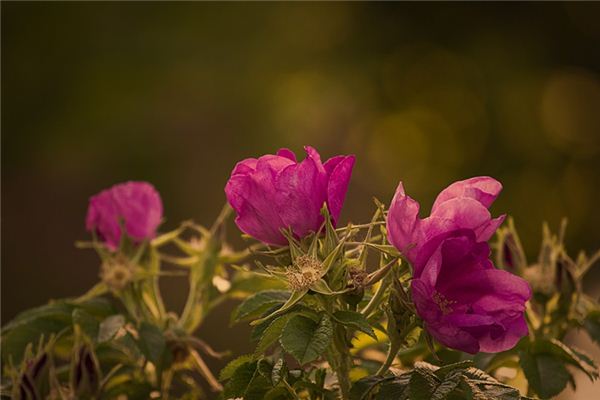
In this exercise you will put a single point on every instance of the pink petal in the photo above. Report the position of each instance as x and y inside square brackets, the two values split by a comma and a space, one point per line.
[483, 189]
[287, 153]
[403, 221]
[337, 187]
[300, 194]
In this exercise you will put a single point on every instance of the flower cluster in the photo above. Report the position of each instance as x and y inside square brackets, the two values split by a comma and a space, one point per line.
[465, 302]
[322, 313]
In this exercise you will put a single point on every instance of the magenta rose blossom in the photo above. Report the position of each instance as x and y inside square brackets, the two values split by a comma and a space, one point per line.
[465, 302]
[276, 192]
[134, 205]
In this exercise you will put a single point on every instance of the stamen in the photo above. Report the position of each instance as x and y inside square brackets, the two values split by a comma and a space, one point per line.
[443, 303]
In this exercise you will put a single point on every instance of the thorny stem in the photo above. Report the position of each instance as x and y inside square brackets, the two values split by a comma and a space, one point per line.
[339, 352]
[344, 361]
[395, 346]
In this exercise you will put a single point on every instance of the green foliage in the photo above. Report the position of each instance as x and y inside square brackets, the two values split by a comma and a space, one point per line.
[151, 342]
[544, 364]
[354, 320]
[255, 305]
[306, 339]
[592, 325]
[428, 382]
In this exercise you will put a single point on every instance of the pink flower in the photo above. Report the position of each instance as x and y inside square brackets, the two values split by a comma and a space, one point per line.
[465, 302]
[462, 205]
[276, 192]
[134, 205]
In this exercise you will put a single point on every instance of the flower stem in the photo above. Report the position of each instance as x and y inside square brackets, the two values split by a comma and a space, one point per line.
[389, 359]
[344, 363]
[395, 345]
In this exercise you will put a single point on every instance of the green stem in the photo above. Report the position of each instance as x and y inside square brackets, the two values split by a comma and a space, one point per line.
[344, 363]
[389, 359]
[395, 346]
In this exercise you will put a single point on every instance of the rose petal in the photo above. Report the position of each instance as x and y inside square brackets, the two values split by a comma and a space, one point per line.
[337, 187]
[483, 189]
[403, 221]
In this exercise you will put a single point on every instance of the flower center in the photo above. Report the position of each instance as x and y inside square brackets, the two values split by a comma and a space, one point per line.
[305, 271]
[443, 303]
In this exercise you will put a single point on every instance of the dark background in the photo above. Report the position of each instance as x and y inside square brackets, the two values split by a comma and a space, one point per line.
[99, 93]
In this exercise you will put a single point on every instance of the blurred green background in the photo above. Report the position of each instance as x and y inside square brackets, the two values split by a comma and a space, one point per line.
[99, 93]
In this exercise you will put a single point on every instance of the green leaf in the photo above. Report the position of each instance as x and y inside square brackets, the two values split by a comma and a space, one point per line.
[422, 383]
[240, 380]
[592, 325]
[355, 320]
[248, 382]
[109, 327]
[295, 297]
[447, 386]
[546, 374]
[86, 322]
[363, 387]
[228, 371]
[258, 303]
[573, 357]
[30, 325]
[397, 390]
[152, 342]
[272, 334]
[461, 365]
[305, 339]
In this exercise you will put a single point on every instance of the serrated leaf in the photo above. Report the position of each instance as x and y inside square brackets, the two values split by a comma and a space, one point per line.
[361, 388]
[461, 365]
[152, 342]
[422, 383]
[477, 374]
[500, 392]
[247, 382]
[305, 339]
[475, 392]
[546, 374]
[258, 303]
[229, 369]
[109, 327]
[271, 334]
[240, 380]
[561, 350]
[393, 390]
[447, 386]
[355, 320]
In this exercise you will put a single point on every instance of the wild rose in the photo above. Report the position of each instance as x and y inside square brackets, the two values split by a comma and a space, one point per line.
[465, 302]
[136, 206]
[276, 192]
[462, 205]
